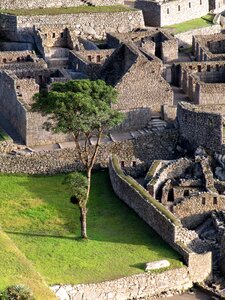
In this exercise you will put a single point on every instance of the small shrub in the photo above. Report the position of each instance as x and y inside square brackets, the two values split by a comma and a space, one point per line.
[17, 292]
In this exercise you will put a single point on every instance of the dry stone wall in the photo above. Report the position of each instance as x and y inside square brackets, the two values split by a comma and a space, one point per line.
[200, 128]
[91, 26]
[32, 4]
[193, 211]
[139, 286]
[66, 160]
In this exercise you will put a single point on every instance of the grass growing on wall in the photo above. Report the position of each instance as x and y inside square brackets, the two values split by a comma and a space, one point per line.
[67, 10]
[193, 24]
[37, 215]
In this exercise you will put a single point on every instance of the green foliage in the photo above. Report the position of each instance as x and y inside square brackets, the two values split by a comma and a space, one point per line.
[17, 292]
[67, 10]
[79, 106]
[117, 236]
[144, 193]
[77, 184]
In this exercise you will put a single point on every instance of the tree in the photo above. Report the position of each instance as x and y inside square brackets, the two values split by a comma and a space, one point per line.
[83, 109]
[78, 185]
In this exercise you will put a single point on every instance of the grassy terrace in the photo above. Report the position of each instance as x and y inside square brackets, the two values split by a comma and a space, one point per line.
[68, 10]
[193, 24]
[36, 214]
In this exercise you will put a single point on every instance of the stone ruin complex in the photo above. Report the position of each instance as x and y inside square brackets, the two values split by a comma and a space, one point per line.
[174, 103]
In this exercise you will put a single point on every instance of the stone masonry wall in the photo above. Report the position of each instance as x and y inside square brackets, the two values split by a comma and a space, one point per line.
[142, 88]
[66, 160]
[92, 26]
[11, 108]
[173, 12]
[185, 38]
[181, 239]
[139, 286]
[31, 4]
[200, 128]
[193, 210]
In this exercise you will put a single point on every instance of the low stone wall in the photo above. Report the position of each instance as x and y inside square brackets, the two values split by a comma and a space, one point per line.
[163, 222]
[91, 25]
[139, 286]
[185, 38]
[66, 160]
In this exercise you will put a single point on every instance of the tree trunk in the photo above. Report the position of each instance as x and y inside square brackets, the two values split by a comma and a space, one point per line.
[83, 222]
[89, 183]
[83, 209]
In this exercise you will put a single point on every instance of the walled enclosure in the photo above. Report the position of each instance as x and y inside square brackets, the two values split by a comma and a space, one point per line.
[209, 47]
[203, 82]
[200, 127]
[161, 220]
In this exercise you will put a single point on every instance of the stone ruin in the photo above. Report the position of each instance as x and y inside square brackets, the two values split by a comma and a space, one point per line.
[188, 187]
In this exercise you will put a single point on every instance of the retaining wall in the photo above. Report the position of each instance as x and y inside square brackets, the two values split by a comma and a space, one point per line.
[133, 287]
[87, 25]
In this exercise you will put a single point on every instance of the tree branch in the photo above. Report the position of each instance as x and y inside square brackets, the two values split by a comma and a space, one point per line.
[76, 140]
[93, 158]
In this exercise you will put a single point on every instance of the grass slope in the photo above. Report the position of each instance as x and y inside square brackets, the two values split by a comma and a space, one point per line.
[193, 24]
[67, 10]
[36, 213]
[16, 269]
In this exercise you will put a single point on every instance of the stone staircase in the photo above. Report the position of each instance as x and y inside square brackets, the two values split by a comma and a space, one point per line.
[156, 124]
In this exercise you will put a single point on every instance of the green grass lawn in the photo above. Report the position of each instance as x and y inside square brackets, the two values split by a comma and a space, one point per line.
[68, 10]
[193, 24]
[15, 268]
[36, 214]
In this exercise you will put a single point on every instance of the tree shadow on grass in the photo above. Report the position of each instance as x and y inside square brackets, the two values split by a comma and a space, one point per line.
[109, 219]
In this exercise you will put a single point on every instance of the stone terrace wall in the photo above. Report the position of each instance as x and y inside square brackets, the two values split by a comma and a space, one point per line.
[65, 160]
[133, 287]
[200, 128]
[92, 26]
[18, 4]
